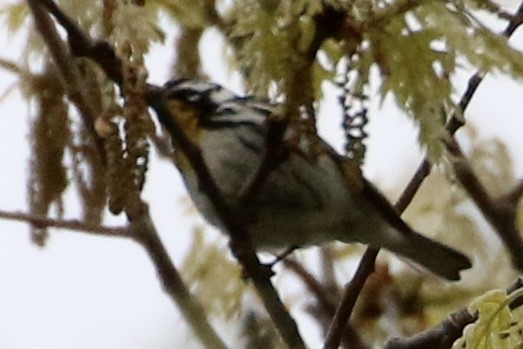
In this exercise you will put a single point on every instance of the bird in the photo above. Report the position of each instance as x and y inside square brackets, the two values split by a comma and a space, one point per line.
[311, 196]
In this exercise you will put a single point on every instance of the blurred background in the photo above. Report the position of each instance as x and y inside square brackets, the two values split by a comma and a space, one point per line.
[84, 291]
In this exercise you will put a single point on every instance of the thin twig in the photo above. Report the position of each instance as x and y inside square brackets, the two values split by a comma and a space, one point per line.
[70, 224]
[366, 266]
[501, 214]
[11, 66]
[348, 300]
[515, 21]
[81, 44]
[439, 337]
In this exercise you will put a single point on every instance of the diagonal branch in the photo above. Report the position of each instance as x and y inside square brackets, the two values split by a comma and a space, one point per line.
[349, 298]
[81, 44]
[500, 213]
[366, 266]
[71, 224]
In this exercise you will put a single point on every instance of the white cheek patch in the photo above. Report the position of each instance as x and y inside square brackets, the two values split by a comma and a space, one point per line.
[204, 90]
[197, 86]
[220, 95]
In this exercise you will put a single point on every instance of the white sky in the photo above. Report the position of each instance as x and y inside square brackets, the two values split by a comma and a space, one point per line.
[87, 292]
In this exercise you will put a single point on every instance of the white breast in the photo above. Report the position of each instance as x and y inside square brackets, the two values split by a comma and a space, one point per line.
[301, 202]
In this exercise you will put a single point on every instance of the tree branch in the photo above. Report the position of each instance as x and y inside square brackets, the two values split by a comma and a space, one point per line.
[348, 300]
[81, 45]
[500, 213]
[11, 66]
[439, 337]
[73, 224]
[449, 330]
[366, 266]
[70, 74]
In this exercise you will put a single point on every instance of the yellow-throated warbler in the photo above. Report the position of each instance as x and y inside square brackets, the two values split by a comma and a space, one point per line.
[307, 199]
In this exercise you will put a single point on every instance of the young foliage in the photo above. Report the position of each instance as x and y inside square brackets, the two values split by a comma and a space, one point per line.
[269, 39]
[416, 46]
[497, 326]
[15, 15]
[216, 280]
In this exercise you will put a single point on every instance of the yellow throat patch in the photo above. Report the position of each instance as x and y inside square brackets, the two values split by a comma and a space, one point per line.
[187, 117]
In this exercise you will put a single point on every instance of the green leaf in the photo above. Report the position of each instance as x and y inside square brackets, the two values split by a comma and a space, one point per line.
[497, 326]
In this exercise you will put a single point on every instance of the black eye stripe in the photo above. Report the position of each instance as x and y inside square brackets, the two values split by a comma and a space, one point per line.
[212, 124]
[218, 107]
[187, 94]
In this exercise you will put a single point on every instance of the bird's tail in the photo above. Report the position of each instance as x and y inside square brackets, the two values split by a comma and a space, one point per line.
[438, 258]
